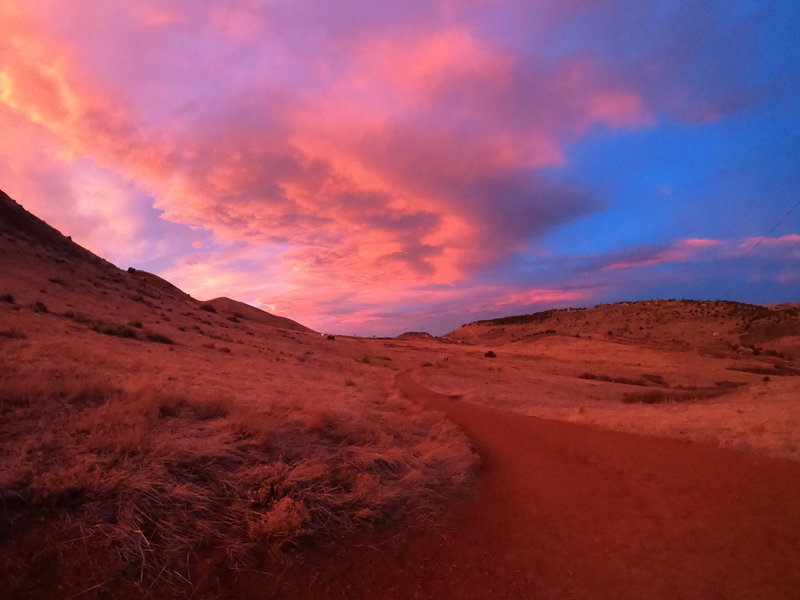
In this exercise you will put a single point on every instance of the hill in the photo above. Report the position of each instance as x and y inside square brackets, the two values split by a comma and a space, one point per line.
[38, 257]
[240, 310]
[183, 445]
[717, 328]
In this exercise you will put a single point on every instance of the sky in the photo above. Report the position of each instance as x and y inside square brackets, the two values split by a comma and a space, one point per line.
[371, 167]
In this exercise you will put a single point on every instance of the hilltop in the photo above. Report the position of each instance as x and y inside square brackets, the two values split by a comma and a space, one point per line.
[240, 310]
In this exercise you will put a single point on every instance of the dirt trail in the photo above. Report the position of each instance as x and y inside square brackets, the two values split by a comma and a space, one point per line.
[566, 511]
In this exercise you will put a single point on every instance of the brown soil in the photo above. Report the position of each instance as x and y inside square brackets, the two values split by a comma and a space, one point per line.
[568, 511]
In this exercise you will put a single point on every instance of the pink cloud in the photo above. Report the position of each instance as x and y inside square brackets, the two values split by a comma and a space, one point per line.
[347, 170]
[679, 251]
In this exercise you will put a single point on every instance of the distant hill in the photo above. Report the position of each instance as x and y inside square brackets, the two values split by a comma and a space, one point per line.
[38, 259]
[717, 327]
[251, 313]
[415, 335]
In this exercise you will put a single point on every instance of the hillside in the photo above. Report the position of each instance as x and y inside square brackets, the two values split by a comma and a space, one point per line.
[182, 444]
[718, 328]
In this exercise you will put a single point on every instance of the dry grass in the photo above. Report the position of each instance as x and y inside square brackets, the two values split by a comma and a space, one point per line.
[685, 395]
[152, 478]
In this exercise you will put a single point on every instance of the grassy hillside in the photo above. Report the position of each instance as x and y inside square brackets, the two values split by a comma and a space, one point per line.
[149, 444]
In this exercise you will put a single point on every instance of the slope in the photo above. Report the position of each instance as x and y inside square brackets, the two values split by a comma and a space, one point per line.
[236, 309]
[719, 328]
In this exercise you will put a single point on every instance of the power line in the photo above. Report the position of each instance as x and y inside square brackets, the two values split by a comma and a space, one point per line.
[740, 259]
[774, 227]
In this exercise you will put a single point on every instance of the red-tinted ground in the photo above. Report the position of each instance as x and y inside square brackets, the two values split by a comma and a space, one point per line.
[132, 415]
[566, 511]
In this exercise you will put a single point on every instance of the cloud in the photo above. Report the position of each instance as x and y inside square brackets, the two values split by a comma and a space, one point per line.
[314, 156]
[676, 252]
[414, 148]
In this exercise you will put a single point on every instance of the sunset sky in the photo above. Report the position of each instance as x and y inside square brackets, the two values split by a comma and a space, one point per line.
[373, 167]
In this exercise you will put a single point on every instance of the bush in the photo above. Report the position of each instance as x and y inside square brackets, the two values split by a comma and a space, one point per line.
[131, 270]
[330, 337]
[649, 397]
[158, 338]
[655, 379]
[208, 308]
[115, 329]
[13, 334]
[7, 298]
[490, 354]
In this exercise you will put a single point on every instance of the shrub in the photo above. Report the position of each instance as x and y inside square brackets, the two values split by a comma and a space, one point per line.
[7, 298]
[115, 329]
[39, 307]
[655, 379]
[158, 338]
[136, 324]
[208, 308]
[330, 337]
[131, 270]
[730, 384]
[57, 281]
[13, 334]
[349, 383]
[490, 354]
[648, 397]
